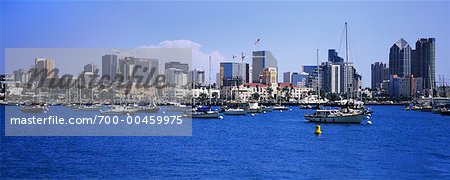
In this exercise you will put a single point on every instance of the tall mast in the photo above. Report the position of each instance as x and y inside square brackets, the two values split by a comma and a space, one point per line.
[209, 90]
[346, 63]
[318, 74]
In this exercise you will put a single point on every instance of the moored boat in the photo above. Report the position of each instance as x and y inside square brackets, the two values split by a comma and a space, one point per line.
[34, 109]
[335, 116]
[280, 107]
[445, 111]
[119, 110]
[235, 111]
[148, 109]
[204, 112]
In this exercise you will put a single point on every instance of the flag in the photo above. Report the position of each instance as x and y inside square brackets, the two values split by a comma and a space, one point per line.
[257, 42]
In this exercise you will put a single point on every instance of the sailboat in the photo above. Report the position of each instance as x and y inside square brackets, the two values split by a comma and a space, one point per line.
[344, 115]
[35, 107]
[205, 111]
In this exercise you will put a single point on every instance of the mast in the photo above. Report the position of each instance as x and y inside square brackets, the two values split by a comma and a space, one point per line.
[346, 63]
[431, 84]
[209, 80]
[318, 74]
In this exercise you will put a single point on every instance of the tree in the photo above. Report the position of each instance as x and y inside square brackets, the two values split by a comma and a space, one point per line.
[269, 92]
[202, 97]
[255, 96]
[287, 95]
[215, 95]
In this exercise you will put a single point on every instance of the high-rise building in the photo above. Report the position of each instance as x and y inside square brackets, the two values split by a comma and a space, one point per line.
[177, 65]
[231, 73]
[377, 71]
[90, 67]
[269, 76]
[400, 59]
[287, 77]
[423, 62]
[299, 79]
[260, 61]
[330, 80]
[109, 66]
[308, 69]
[347, 77]
[196, 77]
[175, 77]
[333, 56]
[21, 76]
[138, 69]
[46, 65]
[146, 68]
[404, 87]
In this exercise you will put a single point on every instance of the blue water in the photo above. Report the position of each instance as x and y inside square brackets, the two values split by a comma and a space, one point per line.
[399, 144]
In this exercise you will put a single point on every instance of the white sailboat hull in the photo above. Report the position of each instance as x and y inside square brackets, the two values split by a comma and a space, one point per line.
[205, 115]
[337, 119]
[243, 112]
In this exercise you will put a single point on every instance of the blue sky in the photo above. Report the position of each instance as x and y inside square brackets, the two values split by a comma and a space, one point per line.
[291, 30]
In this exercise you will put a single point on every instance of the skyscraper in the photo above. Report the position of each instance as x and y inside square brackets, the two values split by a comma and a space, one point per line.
[424, 61]
[287, 77]
[333, 56]
[177, 65]
[308, 69]
[400, 59]
[231, 73]
[261, 60]
[331, 79]
[377, 71]
[90, 67]
[196, 77]
[109, 66]
[46, 65]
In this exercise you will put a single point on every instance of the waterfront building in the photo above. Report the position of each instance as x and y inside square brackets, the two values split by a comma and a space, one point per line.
[405, 87]
[400, 59]
[246, 91]
[423, 61]
[378, 74]
[287, 77]
[109, 66]
[210, 93]
[260, 61]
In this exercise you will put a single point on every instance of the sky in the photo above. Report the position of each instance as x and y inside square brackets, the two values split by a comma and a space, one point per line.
[292, 31]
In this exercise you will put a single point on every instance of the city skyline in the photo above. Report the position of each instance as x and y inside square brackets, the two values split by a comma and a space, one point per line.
[289, 35]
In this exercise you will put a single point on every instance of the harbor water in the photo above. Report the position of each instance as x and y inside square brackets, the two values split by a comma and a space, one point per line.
[399, 144]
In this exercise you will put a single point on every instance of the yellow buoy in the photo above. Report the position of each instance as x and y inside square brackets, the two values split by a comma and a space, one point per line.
[318, 130]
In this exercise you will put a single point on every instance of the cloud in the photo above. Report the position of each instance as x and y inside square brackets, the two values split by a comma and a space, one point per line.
[200, 58]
